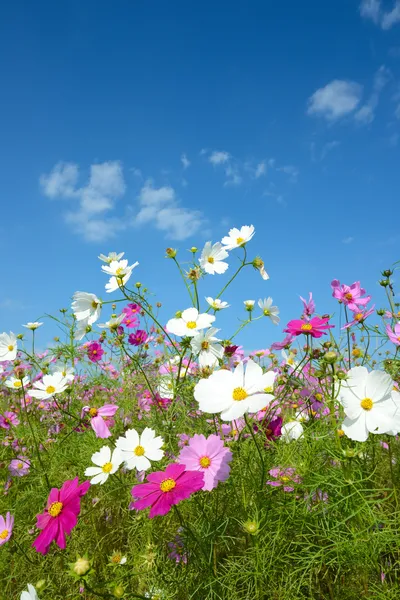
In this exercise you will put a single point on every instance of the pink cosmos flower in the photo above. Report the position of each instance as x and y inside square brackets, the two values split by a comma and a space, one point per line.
[309, 307]
[130, 320]
[394, 336]
[60, 515]
[359, 316]
[98, 419]
[166, 488]
[137, 338]
[95, 351]
[8, 419]
[350, 295]
[283, 477]
[314, 327]
[6, 527]
[19, 467]
[209, 456]
[283, 344]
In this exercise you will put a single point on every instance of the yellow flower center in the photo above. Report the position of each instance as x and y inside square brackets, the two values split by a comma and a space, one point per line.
[55, 508]
[266, 312]
[93, 412]
[366, 404]
[139, 451]
[50, 389]
[116, 559]
[95, 304]
[306, 327]
[191, 324]
[167, 485]
[205, 462]
[239, 393]
[107, 467]
[358, 316]
[318, 396]
[284, 478]
[357, 352]
[348, 296]
[210, 259]
[239, 241]
[268, 390]
[19, 465]
[4, 534]
[205, 345]
[340, 432]
[10, 348]
[17, 384]
[119, 272]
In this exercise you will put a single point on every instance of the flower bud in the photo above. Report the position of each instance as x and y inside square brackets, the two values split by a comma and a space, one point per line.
[56, 339]
[20, 336]
[138, 284]
[178, 314]
[171, 252]
[341, 375]
[251, 527]
[193, 249]
[384, 282]
[380, 312]
[119, 591]
[81, 566]
[40, 584]
[330, 357]
[387, 273]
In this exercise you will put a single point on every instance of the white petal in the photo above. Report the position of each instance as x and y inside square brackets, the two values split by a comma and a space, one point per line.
[356, 429]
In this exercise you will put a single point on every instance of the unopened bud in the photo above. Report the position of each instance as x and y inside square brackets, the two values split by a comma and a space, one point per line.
[20, 336]
[341, 375]
[251, 527]
[380, 312]
[119, 591]
[171, 252]
[330, 357]
[193, 249]
[81, 566]
[384, 282]
[387, 273]
[138, 284]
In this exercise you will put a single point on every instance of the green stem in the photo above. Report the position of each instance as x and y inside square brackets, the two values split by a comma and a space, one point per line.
[34, 438]
[250, 428]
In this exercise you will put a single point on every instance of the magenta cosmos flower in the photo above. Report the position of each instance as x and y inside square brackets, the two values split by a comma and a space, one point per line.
[138, 338]
[284, 478]
[6, 527]
[98, 419]
[394, 335]
[95, 351]
[8, 419]
[209, 456]
[166, 488]
[314, 327]
[350, 295]
[130, 319]
[359, 317]
[60, 515]
[309, 306]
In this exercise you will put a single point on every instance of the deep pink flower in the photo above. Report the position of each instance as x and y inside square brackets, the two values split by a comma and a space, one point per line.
[8, 419]
[95, 351]
[138, 338]
[283, 344]
[60, 515]
[359, 316]
[165, 489]
[273, 428]
[309, 307]
[135, 308]
[98, 419]
[130, 320]
[283, 477]
[314, 327]
[394, 336]
[19, 467]
[350, 295]
[209, 456]
[6, 527]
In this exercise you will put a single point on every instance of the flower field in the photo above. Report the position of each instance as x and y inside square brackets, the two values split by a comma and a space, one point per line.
[149, 459]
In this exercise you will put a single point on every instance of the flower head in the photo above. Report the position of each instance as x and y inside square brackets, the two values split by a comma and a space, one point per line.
[139, 451]
[207, 348]
[309, 306]
[120, 273]
[238, 237]
[131, 319]
[284, 478]
[95, 351]
[208, 455]
[216, 304]
[211, 259]
[394, 334]
[99, 418]
[8, 346]
[138, 338]
[111, 256]
[86, 307]
[6, 527]
[31, 594]
[8, 419]
[314, 327]
[189, 323]
[19, 466]
[106, 465]
[359, 317]
[292, 430]
[16, 384]
[350, 295]
[49, 386]
[32, 326]
[268, 310]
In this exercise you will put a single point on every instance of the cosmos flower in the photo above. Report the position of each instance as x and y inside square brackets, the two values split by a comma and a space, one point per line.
[216, 304]
[138, 338]
[120, 273]
[292, 430]
[113, 323]
[350, 295]
[359, 317]
[206, 347]
[209, 456]
[60, 515]
[268, 310]
[258, 264]
[64, 370]
[166, 488]
[8, 419]
[49, 386]
[284, 478]
[6, 527]
[211, 259]
[31, 594]
[8, 346]
[249, 304]
[86, 307]
[111, 256]
[284, 343]
[16, 384]
[314, 327]
[19, 466]
[309, 306]
[238, 237]
[99, 417]
[106, 465]
[394, 335]
[94, 352]
[131, 319]
[32, 326]
[139, 451]
[189, 323]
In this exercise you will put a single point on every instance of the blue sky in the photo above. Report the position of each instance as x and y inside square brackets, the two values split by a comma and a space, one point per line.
[136, 125]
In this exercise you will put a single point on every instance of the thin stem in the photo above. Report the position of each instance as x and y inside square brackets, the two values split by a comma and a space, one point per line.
[250, 428]
[34, 438]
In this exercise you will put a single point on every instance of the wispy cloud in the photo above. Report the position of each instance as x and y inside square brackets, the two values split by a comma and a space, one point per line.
[185, 161]
[336, 100]
[366, 114]
[348, 240]
[319, 154]
[374, 11]
[12, 304]
[218, 157]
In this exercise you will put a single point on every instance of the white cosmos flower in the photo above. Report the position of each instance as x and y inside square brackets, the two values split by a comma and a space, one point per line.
[32, 326]
[113, 323]
[189, 323]
[31, 594]
[396, 419]
[216, 304]
[258, 264]
[105, 465]
[86, 307]
[81, 329]
[138, 450]
[112, 256]
[16, 384]
[268, 310]
[292, 430]
[120, 273]
[289, 359]
[8, 346]
[211, 259]
[249, 304]
[206, 346]
[238, 237]
[367, 401]
[235, 393]
[64, 370]
[50, 385]
[165, 387]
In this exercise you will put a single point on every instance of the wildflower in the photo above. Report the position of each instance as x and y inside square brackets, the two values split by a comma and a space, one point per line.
[251, 527]
[8, 419]
[138, 338]
[216, 304]
[165, 387]
[309, 306]
[50, 385]
[394, 335]
[351, 295]
[314, 327]
[81, 330]
[8, 346]
[81, 566]
[112, 256]
[105, 465]
[273, 428]
[113, 324]
[138, 451]
[94, 351]
[259, 265]
[130, 317]
[208, 455]
[283, 344]
[166, 488]
[60, 515]
[15, 383]
[283, 477]
[289, 359]
[211, 259]
[120, 273]
[268, 310]
[177, 550]
[117, 559]
[292, 430]
[368, 404]
[206, 347]
[86, 307]
[19, 466]
[235, 393]
[66, 372]
[32, 326]
[189, 323]
[6, 527]
[238, 237]
[31, 594]
[98, 417]
[359, 316]
[249, 305]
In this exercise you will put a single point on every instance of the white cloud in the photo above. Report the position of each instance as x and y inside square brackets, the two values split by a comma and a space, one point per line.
[290, 170]
[233, 177]
[219, 157]
[337, 99]
[391, 18]
[372, 9]
[61, 181]
[261, 170]
[185, 161]
[160, 207]
[366, 114]
[348, 240]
